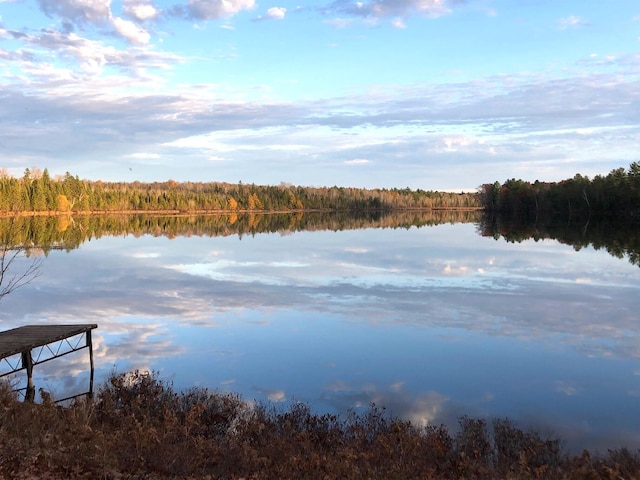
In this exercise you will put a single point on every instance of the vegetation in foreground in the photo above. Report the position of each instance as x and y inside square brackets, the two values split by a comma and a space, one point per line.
[139, 427]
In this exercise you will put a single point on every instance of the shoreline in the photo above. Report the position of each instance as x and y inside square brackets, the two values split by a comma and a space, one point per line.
[173, 212]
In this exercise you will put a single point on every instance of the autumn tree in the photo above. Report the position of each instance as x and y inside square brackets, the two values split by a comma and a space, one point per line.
[63, 204]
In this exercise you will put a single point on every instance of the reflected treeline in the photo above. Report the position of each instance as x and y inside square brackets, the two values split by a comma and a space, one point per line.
[45, 233]
[619, 236]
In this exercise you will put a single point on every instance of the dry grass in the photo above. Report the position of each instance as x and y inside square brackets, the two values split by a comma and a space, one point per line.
[138, 427]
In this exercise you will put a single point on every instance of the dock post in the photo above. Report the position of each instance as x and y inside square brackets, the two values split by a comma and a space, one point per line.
[27, 364]
[90, 345]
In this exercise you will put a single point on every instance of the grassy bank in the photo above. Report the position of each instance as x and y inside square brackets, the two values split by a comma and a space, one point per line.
[138, 427]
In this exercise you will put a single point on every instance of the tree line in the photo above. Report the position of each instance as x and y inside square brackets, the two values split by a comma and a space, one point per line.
[37, 192]
[614, 194]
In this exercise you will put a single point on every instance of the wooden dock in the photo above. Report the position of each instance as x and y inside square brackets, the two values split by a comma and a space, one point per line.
[37, 344]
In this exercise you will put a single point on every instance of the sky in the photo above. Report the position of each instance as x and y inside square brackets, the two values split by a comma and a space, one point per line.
[430, 94]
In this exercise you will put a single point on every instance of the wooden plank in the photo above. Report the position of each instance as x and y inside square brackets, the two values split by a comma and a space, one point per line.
[26, 338]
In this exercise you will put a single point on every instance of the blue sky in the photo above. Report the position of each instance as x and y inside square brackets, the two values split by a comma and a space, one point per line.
[432, 94]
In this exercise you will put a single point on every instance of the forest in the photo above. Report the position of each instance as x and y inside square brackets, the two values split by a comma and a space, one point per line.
[38, 192]
[614, 194]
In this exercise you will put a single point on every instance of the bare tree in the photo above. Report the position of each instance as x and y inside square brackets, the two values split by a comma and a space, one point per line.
[10, 252]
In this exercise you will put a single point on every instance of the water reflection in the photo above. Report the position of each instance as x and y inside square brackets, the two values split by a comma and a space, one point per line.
[432, 322]
[618, 235]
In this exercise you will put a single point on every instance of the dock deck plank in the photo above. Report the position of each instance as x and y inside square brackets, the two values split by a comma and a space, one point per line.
[28, 337]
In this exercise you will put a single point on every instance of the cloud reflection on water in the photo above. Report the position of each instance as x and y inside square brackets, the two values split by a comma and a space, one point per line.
[432, 323]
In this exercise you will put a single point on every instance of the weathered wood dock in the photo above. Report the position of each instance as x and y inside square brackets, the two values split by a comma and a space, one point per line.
[36, 344]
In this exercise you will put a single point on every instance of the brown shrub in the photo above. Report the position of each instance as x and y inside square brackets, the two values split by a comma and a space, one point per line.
[138, 427]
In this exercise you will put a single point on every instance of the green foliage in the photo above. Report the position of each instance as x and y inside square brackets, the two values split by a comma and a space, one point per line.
[617, 193]
[37, 192]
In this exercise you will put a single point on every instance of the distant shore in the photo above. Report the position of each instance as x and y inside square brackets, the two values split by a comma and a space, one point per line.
[173, 212]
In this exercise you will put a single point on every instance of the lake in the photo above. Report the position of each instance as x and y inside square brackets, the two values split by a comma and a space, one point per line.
[431, 322]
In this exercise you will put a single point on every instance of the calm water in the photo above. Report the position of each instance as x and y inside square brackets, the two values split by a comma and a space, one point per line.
[431, 322]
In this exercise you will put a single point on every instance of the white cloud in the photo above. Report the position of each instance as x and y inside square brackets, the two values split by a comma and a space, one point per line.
[339, 22]
[456, 270]
[144, 155]
[277, 13]
[398, 23]
[141, 11]
[356, 250]
[78, 11]
[571, 22]
[274, 13]
[357, 161]
[98, 12]
[389, 8]
[452, 143]
[213, 9]
[89, 55]
[130, 31]
[123, 115]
